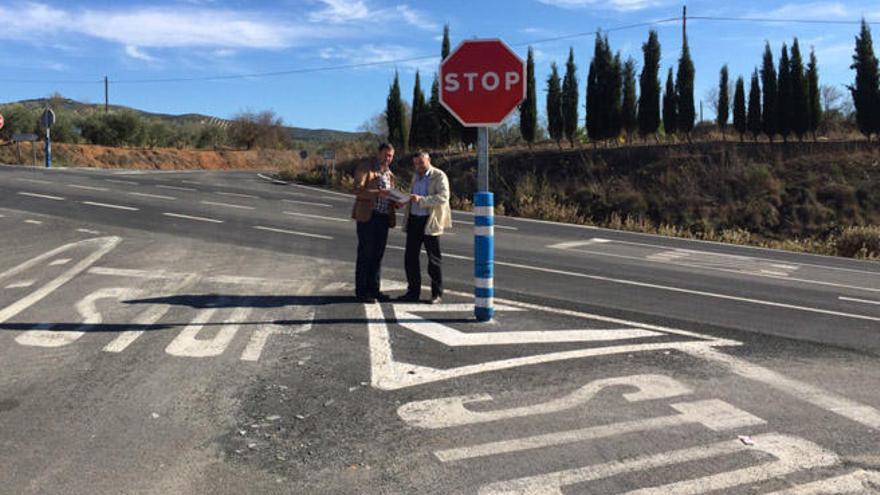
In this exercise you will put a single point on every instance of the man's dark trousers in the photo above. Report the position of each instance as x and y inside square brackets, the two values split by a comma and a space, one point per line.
[372, 238]
[415, 237]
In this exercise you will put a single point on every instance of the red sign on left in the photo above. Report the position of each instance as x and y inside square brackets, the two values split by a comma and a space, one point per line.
[1, 121]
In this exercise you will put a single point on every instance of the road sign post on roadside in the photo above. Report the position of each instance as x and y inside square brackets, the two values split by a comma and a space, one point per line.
[482, 82]
[19, 138]
[1, 121]
[47, 120]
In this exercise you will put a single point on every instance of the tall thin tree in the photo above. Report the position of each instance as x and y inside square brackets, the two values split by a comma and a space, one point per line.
[649, 87]
[814, 95]
[866, 88]
[570, 100]
[769, 111]
[740, 122]
[439, 124]
[595, 115]
[555, 120]
[755, 123]
[724, 100]
[528, 109]
[395, 116]
[628, 106]
[418, 128]
[670, 113]
[614, 98]
[800, 123]
[785, 113]
[684, 90]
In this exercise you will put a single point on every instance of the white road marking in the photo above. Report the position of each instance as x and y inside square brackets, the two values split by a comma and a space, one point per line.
[310, 203]
[60, 261]
[714, 414]
[793, 454]
[42, 196]
[227, 205]
[88, 231]
[325, 191]
[451, 411]
[319, 217]
[502, 227]
[189, 217]
[88, 188]
[33, 222]
[176, 188]
[114, 207]
[20, 285]
[187, 343]
[237, 195]
[100, 246]
[855, 483]
[35, 181]
[853, 299]
[154, 196]
[119, 181]
[219, 279]
[260, 337]
[293, 232]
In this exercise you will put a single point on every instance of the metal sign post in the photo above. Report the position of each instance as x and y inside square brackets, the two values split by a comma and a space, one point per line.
[48, 120]
[484, 233]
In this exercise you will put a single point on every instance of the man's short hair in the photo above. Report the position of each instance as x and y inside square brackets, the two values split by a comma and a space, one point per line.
[422, 154]
[385, 146]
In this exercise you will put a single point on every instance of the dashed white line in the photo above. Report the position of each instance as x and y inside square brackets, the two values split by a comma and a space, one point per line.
[88, 188]
[237, 195]
[88, 231]
[35, 181]
[43, 196]
[107, 205]
[154, 196]
[853, 299]
[33, 222]
[189, 217]
[319, 217]
[177, 188]
[322, 205]
[20, 285]
[126, 182]
[293, 232]
[227, 205]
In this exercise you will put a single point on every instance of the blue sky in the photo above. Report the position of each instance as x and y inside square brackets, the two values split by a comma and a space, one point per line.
[68, 46]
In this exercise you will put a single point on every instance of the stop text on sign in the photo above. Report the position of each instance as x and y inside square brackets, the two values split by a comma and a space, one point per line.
[488, 81]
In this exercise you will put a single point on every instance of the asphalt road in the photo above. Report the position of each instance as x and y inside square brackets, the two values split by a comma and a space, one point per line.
[194, 333]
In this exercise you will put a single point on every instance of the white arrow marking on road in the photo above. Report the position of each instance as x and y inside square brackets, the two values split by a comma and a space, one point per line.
[793, 454]
[450, 411]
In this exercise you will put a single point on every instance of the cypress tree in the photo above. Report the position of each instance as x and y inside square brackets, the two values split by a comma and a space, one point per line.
[528, 109]
[684, 91]
[570, 99]
[453, 126]
[814, 95]
[670, 115]
[784, 99]
[866, 88]
[769, 112]
[739, 108]
[800, 123]
[755, 124]
[395, 116]
[629, 115]
[724, 100]
[555, 122]
[418, 132]
[614, 98]
[439, 126]
[649, 87]
[595, 124]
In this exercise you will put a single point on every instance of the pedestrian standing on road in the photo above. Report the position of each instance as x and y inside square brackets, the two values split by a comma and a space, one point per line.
[374, 213]
[427, 215]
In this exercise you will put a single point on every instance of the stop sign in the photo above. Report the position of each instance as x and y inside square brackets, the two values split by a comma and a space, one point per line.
[1, 121]
[482, 81]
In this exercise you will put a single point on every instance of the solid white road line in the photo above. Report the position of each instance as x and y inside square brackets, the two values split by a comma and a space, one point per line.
[106, 205]
[188, 217]
[227, 205]
[853, 299]
[310, 203]
[319, 217]
[126, 182]
[42, 196]
[237, 195]
[87, 188]
[293, 232]
[35, 181]
[154, 196]
[502, 227]
[325, 191]
[176, 188]
[87, 231]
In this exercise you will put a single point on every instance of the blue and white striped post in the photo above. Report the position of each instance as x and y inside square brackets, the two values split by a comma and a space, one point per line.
[484, 234]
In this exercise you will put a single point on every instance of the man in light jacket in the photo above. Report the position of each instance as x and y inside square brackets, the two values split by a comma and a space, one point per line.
[426, 216]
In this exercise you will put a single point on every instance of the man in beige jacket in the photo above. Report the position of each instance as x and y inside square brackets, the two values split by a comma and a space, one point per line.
[426, 216]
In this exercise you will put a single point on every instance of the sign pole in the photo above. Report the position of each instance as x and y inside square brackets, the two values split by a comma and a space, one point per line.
[48, 147]
[484, 233]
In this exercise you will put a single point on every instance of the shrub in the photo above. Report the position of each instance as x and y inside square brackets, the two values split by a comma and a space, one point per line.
[859, 242]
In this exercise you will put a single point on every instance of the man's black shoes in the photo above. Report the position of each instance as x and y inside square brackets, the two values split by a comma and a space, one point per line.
[435, 300]
[408, 297]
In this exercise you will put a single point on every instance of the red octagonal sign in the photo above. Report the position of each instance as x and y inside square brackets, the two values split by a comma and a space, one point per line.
[482, 81]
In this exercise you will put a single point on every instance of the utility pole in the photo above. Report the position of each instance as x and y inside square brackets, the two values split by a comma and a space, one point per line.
[106, 95]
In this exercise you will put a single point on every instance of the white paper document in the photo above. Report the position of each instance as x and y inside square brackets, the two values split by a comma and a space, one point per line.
[398, 196]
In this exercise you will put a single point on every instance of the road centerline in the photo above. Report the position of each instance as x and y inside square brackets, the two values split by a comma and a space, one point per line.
[176, 188]
[190, 217]
[236, 195]
[41, 196]
[311, 203]
[319, 217]
[227, 205]
[154, 196]
[112, 206]
[87, 188]
[292, 232]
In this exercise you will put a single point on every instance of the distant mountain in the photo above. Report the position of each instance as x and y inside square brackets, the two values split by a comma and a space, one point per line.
[297, 133]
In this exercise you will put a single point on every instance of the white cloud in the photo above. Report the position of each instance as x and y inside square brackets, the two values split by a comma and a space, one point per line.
[814, 10]
[416, 18]
[157, 27]
[402, 57]
[136, 53]
[341, 11]
[619, 5]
